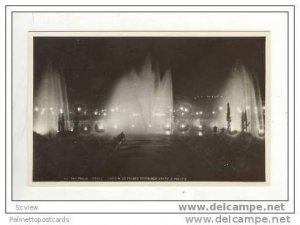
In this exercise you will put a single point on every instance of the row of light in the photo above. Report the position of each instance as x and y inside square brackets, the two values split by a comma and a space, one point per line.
[182, 126]
[116, 109]
[209, 96]
[115, 126]
[184, 109]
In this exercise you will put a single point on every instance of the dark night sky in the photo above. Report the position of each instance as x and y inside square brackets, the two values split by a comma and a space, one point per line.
[199, 65]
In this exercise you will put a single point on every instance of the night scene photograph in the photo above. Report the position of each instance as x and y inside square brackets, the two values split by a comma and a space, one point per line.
[149, 109]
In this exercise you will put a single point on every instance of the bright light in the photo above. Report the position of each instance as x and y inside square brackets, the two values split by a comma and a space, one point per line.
[168, 132]
[220, 108]
[182, 125]
[115, 126]
[200, 133]
[201, 112]
[213, 112]
[95, 113]
[101, 126]
[186, 109]
[112, 110]
[79, 109]
[61, 111]
[200, 126]
[182, 113]
[104, 114]
[36, 109]
[197, 113]
[50, 108]
[181, 108]
[85, 128]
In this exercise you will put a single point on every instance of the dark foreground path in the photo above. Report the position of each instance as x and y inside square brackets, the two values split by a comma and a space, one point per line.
[149, 158]
[156, 157]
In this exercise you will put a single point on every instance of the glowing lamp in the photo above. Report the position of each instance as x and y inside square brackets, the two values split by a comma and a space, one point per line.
[183, 127]
[99, 127]
[261, 132]
[168, 132]
[86, 128]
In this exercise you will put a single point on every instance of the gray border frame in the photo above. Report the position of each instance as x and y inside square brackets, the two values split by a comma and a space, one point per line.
[198, 11]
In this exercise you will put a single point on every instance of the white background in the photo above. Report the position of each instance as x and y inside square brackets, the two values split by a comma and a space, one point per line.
[275, 23]
[183, 22]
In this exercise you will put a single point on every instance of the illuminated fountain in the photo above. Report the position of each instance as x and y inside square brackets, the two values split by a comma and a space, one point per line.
[51, 110]
[142, 102]
[245, 102]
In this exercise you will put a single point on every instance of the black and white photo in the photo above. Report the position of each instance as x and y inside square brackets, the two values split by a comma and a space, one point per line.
[149, 108]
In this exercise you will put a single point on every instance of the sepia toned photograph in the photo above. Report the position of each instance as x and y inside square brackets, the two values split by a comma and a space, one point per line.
[148, 108]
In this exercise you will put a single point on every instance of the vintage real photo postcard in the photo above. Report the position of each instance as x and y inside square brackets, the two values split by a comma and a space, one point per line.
[148, 107]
